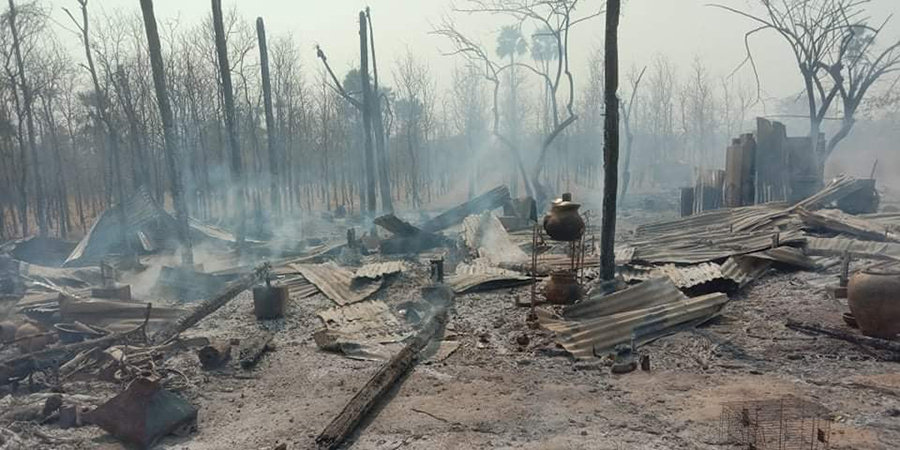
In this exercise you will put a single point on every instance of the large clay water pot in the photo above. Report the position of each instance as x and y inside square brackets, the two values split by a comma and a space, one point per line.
[563, 223]
[562, 289]
[874, 298]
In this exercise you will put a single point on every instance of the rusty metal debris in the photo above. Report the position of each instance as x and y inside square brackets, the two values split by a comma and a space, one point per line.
[641, 313]
[365, 330]
[337, 283]
[143, 414]
[480, 276]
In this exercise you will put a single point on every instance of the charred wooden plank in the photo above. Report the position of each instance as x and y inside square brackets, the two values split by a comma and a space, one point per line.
[252, 349]
[495, 198]
[836, 333]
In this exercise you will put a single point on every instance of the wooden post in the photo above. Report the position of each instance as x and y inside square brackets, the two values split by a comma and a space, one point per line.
[169, 135]
[611, 144]
[230, 125]
[367, 112]
[687, 201]
[384, 174]
[271, 136]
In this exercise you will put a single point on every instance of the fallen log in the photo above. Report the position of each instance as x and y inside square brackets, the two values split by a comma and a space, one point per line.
[837, 333]
[388, 374]
[22, 366]
[215, 354]
[252, 349]
[209, 306]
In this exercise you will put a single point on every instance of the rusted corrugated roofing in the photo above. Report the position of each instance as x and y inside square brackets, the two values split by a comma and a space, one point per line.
[744, 269]
[584, 333]
[654, 291]
[375, 271]
[337, 282]
[480, 276]
[683, 276]
[836, 246]
[703, 247]
[839, 222]
[363, 330]
[486, 237]
[488, 201]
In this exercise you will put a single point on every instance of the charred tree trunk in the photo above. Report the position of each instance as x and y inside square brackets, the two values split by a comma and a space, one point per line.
[28, 100]
[232, 127]
[112, 134]
[384, 180]
[271, 136]
[611, 143]
[169, 136]
[367, 113]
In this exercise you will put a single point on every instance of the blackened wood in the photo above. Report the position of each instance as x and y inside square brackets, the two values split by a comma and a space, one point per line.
[367, 112]
[271, 133]
[836, 333]
[490, 200]
[384, 178]
[610, 144]
[381, 383]
[169, 134]
[237, 171]
[215, 354]
[252, 349]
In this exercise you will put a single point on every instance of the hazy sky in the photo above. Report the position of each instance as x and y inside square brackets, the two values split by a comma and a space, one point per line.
[681, 29]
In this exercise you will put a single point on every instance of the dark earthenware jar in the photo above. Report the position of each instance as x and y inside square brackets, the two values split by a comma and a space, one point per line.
[563, 223]
[562, 289]
[874, 298]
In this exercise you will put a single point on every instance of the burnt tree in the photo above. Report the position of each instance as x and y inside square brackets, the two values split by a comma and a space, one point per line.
[271, 135]
[367, 112]
[230, 125]
[610, 143]
[169, 134]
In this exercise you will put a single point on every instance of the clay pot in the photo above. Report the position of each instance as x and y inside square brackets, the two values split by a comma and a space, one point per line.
[874, 298]
[563, 223]
[562, 289]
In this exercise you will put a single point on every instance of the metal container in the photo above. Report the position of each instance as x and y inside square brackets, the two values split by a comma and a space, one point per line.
[269, 301]
[562, 289]
[874, 298]
[563, 223]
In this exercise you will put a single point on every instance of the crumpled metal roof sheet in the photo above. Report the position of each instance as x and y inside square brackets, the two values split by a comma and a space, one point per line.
[376, 271]
[485, 235]
[839, 222]
[479, 276]
[683, 276]
[836, 246]
[337, 282]
[652, 292]
[585, 335]
[703, 247]
[362, 330]
[744, 269]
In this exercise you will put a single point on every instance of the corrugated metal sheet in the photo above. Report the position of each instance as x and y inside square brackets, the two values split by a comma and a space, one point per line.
[839, 222]
[698, 248]
[298, 286]
[743, 270]
[863, 249]
[375, 271]
[488, 201]
[683, 276]
[104, 236]
[585, 336]
[788, 255]
[486, 237]
[655, 291]
[337, 283]
[396, 225]
[363, 330]
[480, 276]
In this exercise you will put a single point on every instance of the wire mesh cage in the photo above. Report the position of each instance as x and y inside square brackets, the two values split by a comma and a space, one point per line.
[788, 423]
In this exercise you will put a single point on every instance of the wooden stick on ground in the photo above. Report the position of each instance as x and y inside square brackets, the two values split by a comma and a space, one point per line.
[374, 390]
[836, 333]
[209, 306]
[252, 349]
